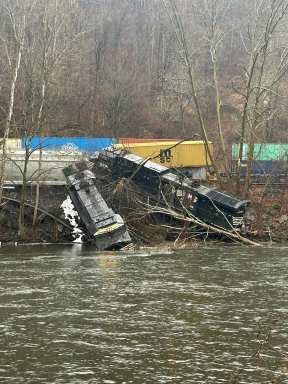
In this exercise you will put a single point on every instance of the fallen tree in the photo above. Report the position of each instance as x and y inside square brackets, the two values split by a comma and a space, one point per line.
[140, 215]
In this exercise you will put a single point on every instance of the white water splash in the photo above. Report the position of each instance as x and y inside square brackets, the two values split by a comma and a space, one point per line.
[72, 216]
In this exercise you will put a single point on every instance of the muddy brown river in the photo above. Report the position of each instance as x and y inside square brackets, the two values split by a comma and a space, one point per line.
[71, 315]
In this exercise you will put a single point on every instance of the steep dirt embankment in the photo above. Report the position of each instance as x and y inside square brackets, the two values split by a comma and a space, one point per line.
[47, 229]
[268, 213]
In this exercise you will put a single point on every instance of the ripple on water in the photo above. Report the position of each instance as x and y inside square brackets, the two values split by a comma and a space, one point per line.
[77, 316]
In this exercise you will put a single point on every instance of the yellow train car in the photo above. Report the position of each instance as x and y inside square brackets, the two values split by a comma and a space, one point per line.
[188, 154]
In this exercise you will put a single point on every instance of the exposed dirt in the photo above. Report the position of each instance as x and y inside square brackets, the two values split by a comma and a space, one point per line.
[268, 214]
[46, 229]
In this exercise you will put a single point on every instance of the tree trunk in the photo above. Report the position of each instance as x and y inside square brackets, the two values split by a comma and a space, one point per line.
[244, 121]
[9, 116]
[219, 114]
[21, 219]
[37, 194]
[249, 168]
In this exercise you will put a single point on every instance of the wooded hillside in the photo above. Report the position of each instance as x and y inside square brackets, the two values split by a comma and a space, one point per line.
[118, 68]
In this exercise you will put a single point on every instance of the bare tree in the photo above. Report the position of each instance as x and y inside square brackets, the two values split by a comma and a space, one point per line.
[185, 57]
[268, 64]
[216, 10]
[57, 38]
[16, 13]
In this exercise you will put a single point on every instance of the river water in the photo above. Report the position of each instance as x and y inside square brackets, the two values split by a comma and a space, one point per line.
[70, 315]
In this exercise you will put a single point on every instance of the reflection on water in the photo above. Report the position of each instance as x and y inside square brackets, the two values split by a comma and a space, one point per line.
[71, 315]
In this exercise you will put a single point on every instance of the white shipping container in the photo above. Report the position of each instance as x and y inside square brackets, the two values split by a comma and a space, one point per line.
[12, 144]
[52, 164]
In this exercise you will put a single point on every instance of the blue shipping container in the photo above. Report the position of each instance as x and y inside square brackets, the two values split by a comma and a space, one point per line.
[262, 168]
[83, 144]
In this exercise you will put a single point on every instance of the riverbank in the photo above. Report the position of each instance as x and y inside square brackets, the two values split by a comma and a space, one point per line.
[267, 218]
[51, 225]
[268, 213]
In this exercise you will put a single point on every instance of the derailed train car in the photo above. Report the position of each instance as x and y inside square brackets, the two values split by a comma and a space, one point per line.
[104, 227]
[210, 205]
[157, 184]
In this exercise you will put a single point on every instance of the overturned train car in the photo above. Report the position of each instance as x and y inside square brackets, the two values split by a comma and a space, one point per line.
[163, 185]
[104, 227]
